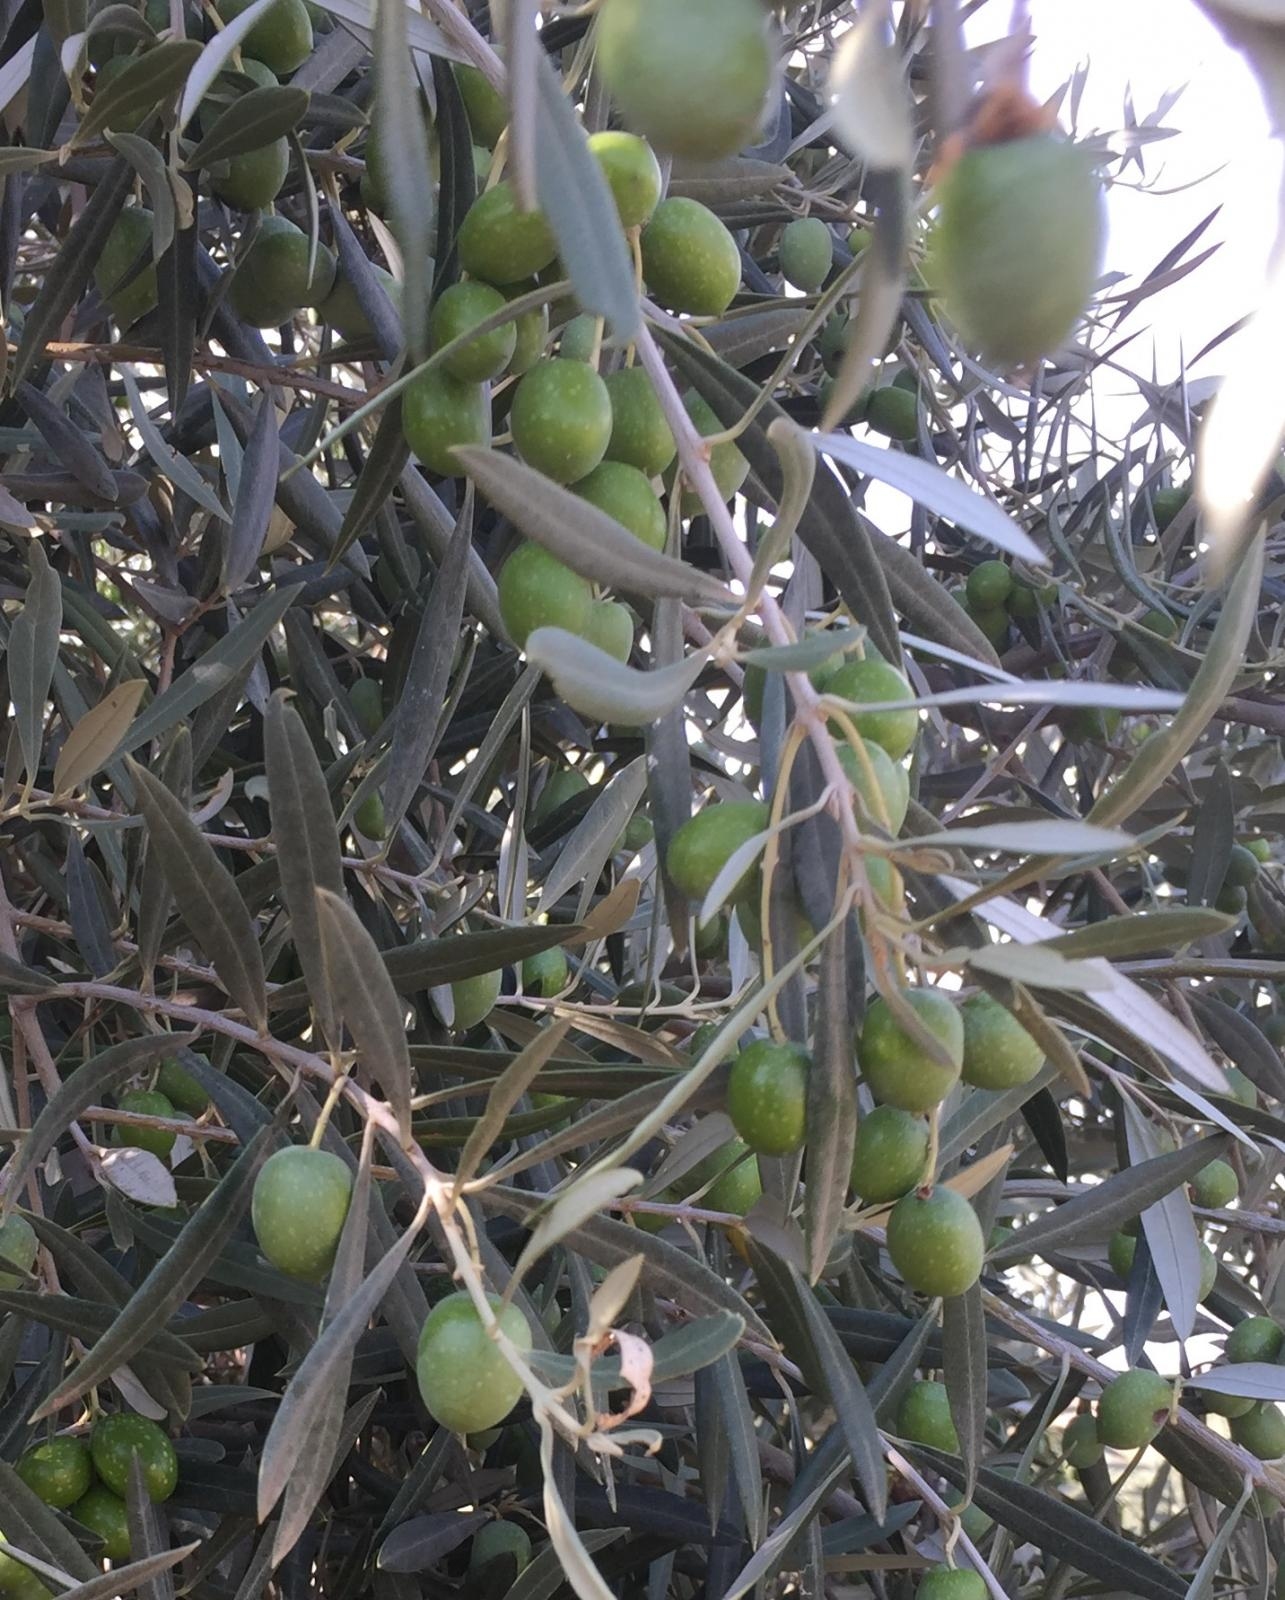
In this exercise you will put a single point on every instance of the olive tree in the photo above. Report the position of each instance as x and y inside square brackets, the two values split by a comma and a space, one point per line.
[641, 888]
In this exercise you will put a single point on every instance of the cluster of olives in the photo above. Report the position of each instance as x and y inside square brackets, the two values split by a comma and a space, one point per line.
[89, 1479]
[174, 1096]
[995, 598]
[299, 1205]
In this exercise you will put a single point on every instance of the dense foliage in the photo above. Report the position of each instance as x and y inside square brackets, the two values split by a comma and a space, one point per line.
[642, 881]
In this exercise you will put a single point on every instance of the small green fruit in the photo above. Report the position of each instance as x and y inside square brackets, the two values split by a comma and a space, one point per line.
[640, 436]
[500, 244]
[300, 1202]
[368, 818]
[498, 1539]
[691, 78]
[898, 1071]
[1133, 1409]
[18, 1582]
[271, 282]
[103, 1513]
[342, 309]
[889, 1154]
[1242, 867]
[536, 591]
[562, 785]
[702, 846]
[182, 1089]
[767, 1096]
[545, 974]
[690, 260]
[887, 799]
[935, 1242]
[532, 329]
[145, 1103]
[488, 114]
[474, 999]
[868, 683]
[465, 1381]
[252, 180]
[952, 1583]
[59, 1471]
[1216, 1185]
[998, 1051]
[440, 412]
[632, 173]
[626, 495]
[561, 419]
[806, 252]
[1167, 503]
[610, 625]
[581, 339]
[114, 1443]
[367, 701]
[128, 244]
[924, 1417]
[1081, 1447]
[1261, 1431]
[894, 412]
[737, 1184]
[281, 39]
[1254, 1339]
[1018, 245]
[989, 585]
[1120, 1253]
[456, 312]
[727, 464]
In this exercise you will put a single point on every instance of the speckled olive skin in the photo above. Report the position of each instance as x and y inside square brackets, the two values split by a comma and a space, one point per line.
[440, 412]
[640, 435]
[1133, 1409]
[868, 682]
[117, 1439]
[690, 260]
[301, 1199]
[465, 1381]
[935, 1242]
[998, 1051]
[561, 419]
[897, 1070]
[924, 1416]
[888, 1155]
[767, 1092]
[951, 1583]
[701, 847]
[500, 244]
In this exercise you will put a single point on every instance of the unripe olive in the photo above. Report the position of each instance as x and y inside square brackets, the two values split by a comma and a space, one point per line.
[465, 1381]
[1215, 1185]
[474, 999]
[300, 1202]
[704, 844]
[130, 237]
[500, 1539]
[935, 1241]
[145, 1103]
[536, 590]
[1133, 1409]
[271, 282]
[989, 584]
[252, 180]
[500, 244]
[114, 1443]
[488, 114]
[281, 39]
[869, 682]
[767, 1092]
[690, 260]
[805, 252]
[456, 312]
[691, 78]
[1018, 245]
[625, 494]
[1081, 1446]
[18, 1249]
[998, 1051]
[952, 1583]
[610, 625]
[888, 1155]
[440, 412]
[1254, 1339]
[1261, 1431]
[924, 1417]
[894, 412]
[640, 435]
[632, 173]
[58, 1470]
[545, 973]
[561, 419]
[898, 1070]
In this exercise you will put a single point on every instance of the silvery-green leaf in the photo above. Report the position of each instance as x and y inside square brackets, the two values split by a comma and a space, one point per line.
[871, 108]
[585, 539]
[1053, 836]
[599, 686]
[574, 196]
[927, 485]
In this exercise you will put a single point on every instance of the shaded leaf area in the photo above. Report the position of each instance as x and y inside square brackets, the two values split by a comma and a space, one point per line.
[463, 715]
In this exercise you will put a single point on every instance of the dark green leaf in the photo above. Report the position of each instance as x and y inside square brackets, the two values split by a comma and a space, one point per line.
[171, 1280]
[963, 1337]
[574, 196]
[206, 895]
[33, 653]
[1100, 1212]
[303, 824]
[251, 121]
[140, 87]
[832, 1105]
